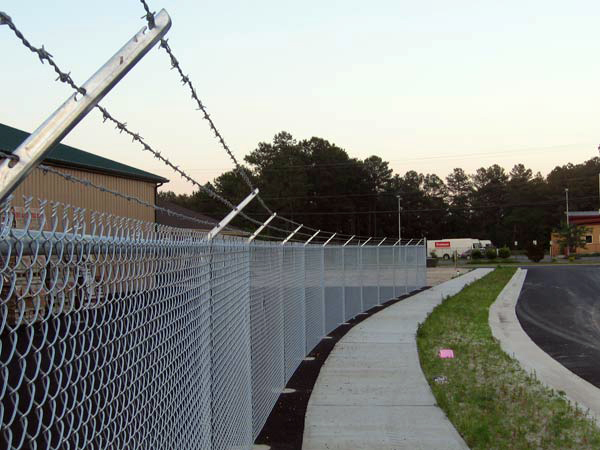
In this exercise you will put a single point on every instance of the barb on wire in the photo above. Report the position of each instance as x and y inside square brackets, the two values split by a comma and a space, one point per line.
[149, 16]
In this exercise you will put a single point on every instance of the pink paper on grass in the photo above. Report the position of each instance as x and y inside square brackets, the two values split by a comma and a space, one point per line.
[446, 353]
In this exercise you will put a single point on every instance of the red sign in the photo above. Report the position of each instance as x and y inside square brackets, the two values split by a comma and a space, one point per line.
[443, 244]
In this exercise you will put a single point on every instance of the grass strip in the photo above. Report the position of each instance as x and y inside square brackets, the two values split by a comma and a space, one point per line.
[492, 402]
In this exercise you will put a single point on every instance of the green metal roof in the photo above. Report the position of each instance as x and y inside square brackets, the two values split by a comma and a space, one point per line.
[67, 156]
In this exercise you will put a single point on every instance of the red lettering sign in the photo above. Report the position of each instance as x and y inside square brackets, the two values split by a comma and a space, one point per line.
[443, 244]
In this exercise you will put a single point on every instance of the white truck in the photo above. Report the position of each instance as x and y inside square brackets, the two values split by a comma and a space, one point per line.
[445, 248]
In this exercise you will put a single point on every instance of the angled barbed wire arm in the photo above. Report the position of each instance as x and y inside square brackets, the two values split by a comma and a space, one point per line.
[33, 150]
[396, 243]
[382, 241]
[262, 227]
[330, 238]
[408, 243]
[348, 241]
[291, 234]
[311, 238]
[365, 243]
[229, 217]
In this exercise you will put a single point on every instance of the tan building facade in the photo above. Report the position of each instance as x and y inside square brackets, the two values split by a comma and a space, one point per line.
[100, 171]
[588, 219]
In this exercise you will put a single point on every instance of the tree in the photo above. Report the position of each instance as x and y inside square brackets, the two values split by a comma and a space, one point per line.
[572, 237]
[460, 190]
[489, 195]
[525, 223]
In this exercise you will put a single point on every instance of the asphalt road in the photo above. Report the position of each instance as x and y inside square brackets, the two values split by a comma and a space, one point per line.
[559, 308]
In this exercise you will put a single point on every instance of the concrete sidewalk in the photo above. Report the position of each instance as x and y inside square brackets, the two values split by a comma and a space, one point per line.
[371, 392]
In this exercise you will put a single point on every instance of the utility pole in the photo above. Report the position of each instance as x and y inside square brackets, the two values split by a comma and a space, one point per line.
[399, 221]
[568, 227]
[567, 198]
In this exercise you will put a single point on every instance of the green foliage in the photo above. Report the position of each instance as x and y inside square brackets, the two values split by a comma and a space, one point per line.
[535, 252]
[504, 252]
[317, 183]
[433, 254]
[476, 254]
[490, 253]
[572, 236]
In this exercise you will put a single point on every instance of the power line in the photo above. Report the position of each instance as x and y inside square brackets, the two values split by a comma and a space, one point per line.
[449, 208]
[354, 161]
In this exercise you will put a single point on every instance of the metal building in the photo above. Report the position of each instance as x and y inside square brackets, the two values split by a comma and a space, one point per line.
[106, 172]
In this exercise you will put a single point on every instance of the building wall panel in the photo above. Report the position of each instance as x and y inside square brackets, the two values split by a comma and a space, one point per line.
[53, 187]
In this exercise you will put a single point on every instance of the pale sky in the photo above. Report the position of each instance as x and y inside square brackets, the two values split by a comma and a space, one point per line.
[427, 85]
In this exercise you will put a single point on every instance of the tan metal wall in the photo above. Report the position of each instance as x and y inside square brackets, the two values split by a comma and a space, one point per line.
[53, 187]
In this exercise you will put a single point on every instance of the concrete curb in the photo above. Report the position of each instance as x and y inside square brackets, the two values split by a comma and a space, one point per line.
[515, 342]
[371, 391]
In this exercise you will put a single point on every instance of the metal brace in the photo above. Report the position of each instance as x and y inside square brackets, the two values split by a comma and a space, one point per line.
[348, 241]
[327, 241]
[257, 232]
[229, 217]
[381, 241]
[365, 243]
[291, 234]
[33, 150]
[311, 238]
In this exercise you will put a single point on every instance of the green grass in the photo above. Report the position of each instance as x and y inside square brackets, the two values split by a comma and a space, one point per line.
[491, 401]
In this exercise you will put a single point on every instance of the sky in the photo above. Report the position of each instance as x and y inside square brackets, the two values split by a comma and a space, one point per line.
[427, 86]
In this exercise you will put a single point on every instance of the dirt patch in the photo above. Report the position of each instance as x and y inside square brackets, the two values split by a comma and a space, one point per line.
[438, 275]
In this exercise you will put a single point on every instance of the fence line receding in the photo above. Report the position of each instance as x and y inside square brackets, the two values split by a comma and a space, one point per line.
[120, 333]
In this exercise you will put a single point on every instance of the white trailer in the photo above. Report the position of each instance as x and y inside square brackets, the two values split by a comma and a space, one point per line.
[445, 248]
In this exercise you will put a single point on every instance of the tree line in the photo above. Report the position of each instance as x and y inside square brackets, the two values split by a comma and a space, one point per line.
[315, 182]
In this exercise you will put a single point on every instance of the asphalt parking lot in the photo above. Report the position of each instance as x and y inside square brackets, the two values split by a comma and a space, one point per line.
[559, 308]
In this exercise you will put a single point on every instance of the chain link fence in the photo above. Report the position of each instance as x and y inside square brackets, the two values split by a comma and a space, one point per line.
[117, 333]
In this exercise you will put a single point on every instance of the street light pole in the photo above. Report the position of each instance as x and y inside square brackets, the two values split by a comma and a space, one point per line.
[567, 198]
[399, 221]
[568, 227]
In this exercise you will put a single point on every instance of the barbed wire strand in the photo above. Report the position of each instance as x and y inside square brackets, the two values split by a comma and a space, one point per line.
[88, 183]
[185, 79]
[121, 126]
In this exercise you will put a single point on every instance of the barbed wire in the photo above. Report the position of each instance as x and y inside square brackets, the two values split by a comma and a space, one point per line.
[41, 52]
[186, 81]
[65, 77]
[88, 183]
[122, 126]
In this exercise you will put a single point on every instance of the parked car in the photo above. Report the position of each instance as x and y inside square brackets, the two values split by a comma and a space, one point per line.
[466, 254]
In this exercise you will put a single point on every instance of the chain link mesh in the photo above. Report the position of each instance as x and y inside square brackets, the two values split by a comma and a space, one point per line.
[118, 333]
